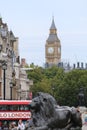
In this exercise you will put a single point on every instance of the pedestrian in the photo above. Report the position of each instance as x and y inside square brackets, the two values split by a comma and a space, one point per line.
[0, 126]
[14, 127]
[21, 126]
[10, 125]
[5, 127]
[28, 124]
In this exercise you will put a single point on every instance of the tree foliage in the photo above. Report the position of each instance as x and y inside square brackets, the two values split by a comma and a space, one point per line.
[64, 86]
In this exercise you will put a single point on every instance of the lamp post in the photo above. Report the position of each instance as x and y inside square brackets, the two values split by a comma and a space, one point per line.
[0, 47]
[11, 86]
[4, 67]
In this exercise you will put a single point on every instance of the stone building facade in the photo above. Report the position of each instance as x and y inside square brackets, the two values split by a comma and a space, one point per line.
[10, 79]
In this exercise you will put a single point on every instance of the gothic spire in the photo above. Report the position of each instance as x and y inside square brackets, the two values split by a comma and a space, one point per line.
[53, 24]
[53, 33]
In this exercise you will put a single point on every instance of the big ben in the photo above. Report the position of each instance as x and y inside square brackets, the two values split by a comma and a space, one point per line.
[53, 46]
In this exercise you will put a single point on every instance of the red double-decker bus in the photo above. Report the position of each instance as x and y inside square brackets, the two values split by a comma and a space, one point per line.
[13, 110]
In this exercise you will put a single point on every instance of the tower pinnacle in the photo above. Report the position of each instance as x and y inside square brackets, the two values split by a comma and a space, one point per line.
[53, 24]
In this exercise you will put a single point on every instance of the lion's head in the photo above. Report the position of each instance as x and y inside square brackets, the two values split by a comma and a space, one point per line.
[42, 107]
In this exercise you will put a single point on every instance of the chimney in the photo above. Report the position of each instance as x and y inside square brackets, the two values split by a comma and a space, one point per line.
[78, 66]
[81, 65]
[85, 65]
[74, 66]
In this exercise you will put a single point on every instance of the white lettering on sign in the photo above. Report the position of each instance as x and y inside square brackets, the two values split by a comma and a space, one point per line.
[15, 115]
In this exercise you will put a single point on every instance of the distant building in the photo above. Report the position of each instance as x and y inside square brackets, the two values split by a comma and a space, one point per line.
[52, 47]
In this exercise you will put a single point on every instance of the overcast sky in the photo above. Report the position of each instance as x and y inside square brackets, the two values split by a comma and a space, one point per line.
[30, 20]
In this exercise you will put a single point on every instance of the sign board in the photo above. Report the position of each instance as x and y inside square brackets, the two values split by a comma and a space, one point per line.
[15, 115]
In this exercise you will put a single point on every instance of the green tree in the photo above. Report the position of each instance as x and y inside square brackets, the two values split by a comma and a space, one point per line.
[36, 74]
[69, 88]
[64, 86]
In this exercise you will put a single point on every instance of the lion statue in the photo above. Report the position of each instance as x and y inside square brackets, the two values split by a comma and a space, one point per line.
[48, 115]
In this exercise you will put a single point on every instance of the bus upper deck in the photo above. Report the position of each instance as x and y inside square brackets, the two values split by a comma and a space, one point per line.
[14, 109]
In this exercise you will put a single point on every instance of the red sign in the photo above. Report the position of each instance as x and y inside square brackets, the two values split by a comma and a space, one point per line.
[15, 115]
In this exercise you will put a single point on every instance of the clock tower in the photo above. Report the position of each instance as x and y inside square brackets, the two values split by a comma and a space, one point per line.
[52, 47]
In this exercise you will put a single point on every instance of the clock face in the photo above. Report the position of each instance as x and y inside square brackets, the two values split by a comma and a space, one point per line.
[50, 50]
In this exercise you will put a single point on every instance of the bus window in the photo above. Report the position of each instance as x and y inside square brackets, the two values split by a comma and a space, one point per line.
[1, 108]
[4, 107]
[21, 107]
[26, 108]
[15, 107]
[8, 107]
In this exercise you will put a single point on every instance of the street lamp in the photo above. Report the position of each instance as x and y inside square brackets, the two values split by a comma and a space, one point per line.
[0, 47]
[4, 67]
[11, 86]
